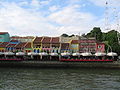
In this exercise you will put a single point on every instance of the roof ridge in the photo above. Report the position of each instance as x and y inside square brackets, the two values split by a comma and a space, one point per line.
[42, 39]
[25, 44]
[51, 39]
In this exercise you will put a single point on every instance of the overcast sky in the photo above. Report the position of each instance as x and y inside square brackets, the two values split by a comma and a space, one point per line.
[54, 17]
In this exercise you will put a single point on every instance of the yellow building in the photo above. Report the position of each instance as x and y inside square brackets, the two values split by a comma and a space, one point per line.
[3, 46]
[74, 46]
[37, 44]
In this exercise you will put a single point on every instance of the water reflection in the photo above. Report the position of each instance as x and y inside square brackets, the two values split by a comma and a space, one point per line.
[58, 79]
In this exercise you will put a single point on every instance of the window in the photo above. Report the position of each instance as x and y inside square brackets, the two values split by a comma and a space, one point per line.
[99, 47]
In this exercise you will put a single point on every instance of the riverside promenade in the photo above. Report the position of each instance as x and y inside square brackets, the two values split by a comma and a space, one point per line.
[54, 64]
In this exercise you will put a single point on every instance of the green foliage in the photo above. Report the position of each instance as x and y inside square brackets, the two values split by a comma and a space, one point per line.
[109, 38]
[96, 32]
[72, 35]
[64, 35]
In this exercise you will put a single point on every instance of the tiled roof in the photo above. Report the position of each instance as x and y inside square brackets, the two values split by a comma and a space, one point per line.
[28, 45]
[20, 45]
[3, 32]
[14, 41]
[17, 37]
[38, 39]
[11, 45]
[55, 40]
[46, 40]
[4, 44]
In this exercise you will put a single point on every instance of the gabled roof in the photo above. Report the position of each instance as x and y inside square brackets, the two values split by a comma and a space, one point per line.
[38, 39]
[4, 44]
[11, 45]
[18, 37]
[14, 41]
[3, 33]
[55, 40]
[28, 45]
[46, 40]
[20, 45]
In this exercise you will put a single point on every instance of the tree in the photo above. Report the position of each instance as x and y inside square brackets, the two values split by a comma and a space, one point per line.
[96, 32]
[72, 35]
[64, 35]
[110, 38]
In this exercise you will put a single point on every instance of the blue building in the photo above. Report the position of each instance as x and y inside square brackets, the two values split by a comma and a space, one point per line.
[4, 37]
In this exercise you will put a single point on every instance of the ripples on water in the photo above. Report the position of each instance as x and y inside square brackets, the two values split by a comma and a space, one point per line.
[59, 79]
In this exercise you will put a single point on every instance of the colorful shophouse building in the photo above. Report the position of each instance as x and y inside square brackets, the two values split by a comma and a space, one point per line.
[65, 43]
[55, 44]
[91, 45]
[4, 37]
[46, 44]
[88, 45]
[28, 48]
[11, 46]
[100, 47]
[37, 44]
[3, 46]
[20, 47]
[74, 46]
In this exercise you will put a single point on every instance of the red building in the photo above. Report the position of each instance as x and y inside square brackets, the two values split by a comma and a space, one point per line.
[100, 47]
[91, 45]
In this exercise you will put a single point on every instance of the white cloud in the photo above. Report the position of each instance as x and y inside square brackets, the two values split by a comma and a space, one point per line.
[45, 2]
[17, 20]
[72, 20]
[27, 21]
[23, 3]
[35, 3]
[53, 8]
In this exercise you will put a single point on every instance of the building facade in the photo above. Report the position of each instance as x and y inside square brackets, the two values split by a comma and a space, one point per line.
[37, 44]
[4, 37]
[74, 46]
[3, 46]
[55, 45]
[88, 45]
[100, 47]
[28, 48]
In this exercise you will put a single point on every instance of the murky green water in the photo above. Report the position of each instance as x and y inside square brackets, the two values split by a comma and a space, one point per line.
[59, 79]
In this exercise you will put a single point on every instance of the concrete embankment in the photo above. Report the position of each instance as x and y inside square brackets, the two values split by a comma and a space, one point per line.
[55, 64]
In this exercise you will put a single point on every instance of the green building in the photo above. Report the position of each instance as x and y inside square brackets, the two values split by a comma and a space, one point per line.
[4, 37]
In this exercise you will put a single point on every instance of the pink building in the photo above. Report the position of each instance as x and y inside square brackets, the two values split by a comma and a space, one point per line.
[88, 45]
[91, 45]
[100, 47]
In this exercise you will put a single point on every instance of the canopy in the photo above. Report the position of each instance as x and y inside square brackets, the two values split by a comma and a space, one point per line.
[65, 54]
[54, 54]
[20, 53]
[86, 54]
[112, 54]
[9, 53]
[76, 54]
[43, 54]
[1, 53]
[100, 54]
[32, 53]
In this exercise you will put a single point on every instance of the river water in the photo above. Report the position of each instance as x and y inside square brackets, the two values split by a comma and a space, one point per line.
[59, 79]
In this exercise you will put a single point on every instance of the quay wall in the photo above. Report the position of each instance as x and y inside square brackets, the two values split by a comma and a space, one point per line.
[55, 64]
